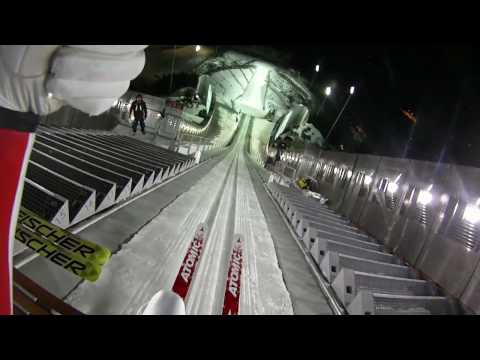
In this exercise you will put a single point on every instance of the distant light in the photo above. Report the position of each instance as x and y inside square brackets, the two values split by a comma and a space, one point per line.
[197, 48]
[50, 95]
[471, 214]
[392, 188]
[368, 180]
[424, 197]
[444, 199]
[328, 91]
[352, 90]
[317, 68]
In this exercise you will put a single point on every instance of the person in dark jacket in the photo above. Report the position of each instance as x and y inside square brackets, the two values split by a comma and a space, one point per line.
[139, 109]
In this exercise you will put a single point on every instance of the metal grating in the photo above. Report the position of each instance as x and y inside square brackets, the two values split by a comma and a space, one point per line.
[463, 231]
[386, 305]
[363, 187]
[391, 285]
[343, 178]
[408, 199]
[423, 214]
[330, 175]
[374, 267]
[392, 200]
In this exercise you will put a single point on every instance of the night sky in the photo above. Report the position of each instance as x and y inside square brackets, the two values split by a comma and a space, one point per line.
[438, 82]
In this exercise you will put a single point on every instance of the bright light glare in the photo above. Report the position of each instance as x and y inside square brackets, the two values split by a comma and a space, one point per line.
[352, 90]
[328, 91]
[392, 188]
[317, 68]
[444, 199]
[197, 48]
[50, 95]
[368, 180]
[424, 197]
[349, 174]
[471, 214]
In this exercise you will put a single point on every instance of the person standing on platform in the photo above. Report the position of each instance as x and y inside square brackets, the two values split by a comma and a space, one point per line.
[139, 109]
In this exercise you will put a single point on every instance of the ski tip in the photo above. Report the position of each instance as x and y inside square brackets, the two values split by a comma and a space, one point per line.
[201, 229]
[102, 255]
[238, 238]
[92, 272]
[165, 302]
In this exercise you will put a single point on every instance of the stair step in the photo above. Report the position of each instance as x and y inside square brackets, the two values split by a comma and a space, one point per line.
[334, 262]
[370, 303]
[349, 283]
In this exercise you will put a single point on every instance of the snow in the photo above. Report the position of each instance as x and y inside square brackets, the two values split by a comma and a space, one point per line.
[252, 100]
[261, 130]
[225, 199]
[224, 127]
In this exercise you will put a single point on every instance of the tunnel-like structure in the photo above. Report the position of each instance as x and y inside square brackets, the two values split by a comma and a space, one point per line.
[396, 236]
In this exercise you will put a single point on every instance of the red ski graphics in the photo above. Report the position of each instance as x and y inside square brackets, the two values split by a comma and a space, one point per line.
[15, 148]
[232, 289]
[187, 270]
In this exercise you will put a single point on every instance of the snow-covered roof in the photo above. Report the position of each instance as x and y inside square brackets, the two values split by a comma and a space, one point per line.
[232, 73]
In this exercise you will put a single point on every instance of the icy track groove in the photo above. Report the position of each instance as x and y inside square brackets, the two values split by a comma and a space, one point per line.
[225, 199]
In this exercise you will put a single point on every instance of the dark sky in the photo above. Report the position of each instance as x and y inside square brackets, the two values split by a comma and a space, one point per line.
[438, 82]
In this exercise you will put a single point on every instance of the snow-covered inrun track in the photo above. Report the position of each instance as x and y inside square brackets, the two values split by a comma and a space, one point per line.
[226, 201]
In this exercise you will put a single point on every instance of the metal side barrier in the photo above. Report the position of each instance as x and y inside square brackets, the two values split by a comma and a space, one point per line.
[364, 277]
[123, 183]
[333, 262]
[349, 283]
[321, 246]
[104, 189]
[81, 199]
[136, 176]
[104, 155]
[310, 236]
[368, 303]
[317, 229]
[302, 218]
[142, 156]
[132, 157]
[45, 203]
